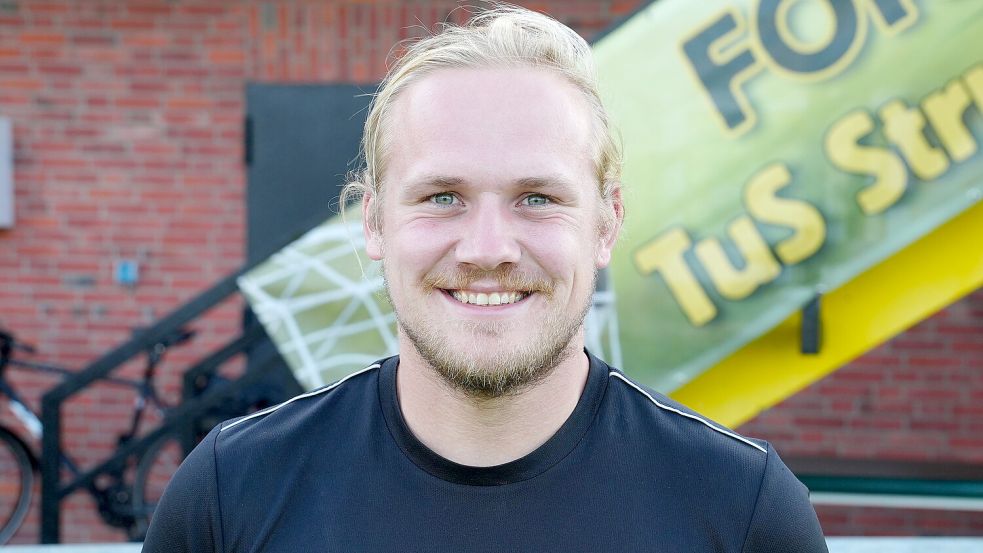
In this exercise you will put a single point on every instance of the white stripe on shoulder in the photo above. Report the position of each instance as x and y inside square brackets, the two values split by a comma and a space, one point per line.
[725, 432]
[269, 410]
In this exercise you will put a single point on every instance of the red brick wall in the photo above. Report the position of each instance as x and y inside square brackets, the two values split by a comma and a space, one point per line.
[128, 133]
[919, 397]
[128, 130]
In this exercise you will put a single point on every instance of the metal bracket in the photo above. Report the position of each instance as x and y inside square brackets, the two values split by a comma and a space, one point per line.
[811, 327]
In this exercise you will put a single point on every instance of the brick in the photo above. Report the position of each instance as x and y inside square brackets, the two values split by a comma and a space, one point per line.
[882, 519]
[188, 103]
[968, 347]
[932, 343]
[147, 39]
[151, 9]
[48, 39]
[861, 376]
[973, 411]
[149, 85]
[66, 162]
[974, 328]
[975, 443]
[877, 422]
[14, 67]
[150, 148]
[12, 21]
[103, 149]
[132, 24]
[93, 39]
[139, 102]
[49, 7]
[820, 422]
[21, 83]
[227, 56]
[933, 394]
[933, 361]
[204, 10]
[939, 425]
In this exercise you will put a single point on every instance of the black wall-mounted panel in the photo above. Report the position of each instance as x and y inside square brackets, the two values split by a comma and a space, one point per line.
[301, 141]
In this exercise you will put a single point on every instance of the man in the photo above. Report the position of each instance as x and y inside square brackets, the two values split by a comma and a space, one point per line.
[491, 194]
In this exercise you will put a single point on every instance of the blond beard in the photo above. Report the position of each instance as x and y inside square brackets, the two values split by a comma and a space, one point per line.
[507, 371]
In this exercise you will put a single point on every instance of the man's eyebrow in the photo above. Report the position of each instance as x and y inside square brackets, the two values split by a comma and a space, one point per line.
[544, 182]
[434, 181]
[431, 182]
[441, 181]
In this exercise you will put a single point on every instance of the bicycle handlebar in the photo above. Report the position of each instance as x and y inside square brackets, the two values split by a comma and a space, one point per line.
[7, 340]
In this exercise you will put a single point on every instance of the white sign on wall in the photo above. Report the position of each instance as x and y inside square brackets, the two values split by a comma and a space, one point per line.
[6, 173]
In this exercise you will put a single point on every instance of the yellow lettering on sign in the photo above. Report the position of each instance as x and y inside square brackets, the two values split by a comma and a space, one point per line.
[904, 126]
[760, 265]
[763, 203]
[844, 150]
[664, 255]
[945, 109]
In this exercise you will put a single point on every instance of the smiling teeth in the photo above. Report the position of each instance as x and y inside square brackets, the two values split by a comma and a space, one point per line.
[494, 298]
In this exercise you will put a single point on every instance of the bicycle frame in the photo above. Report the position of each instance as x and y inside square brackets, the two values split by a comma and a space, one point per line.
[32, 423]
[113, 498]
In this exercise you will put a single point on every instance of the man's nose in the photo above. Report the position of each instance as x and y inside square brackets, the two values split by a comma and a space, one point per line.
[488, 238]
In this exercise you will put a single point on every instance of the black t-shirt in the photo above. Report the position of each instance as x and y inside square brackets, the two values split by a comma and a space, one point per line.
[337, 470]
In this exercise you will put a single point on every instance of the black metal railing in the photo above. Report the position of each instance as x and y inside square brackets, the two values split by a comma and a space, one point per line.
[197, 400]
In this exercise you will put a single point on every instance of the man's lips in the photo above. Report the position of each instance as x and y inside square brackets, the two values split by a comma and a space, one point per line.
[502, 297]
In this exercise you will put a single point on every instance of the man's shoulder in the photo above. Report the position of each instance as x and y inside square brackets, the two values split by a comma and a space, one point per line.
[708, 469]
[295, 414]
[677, 427]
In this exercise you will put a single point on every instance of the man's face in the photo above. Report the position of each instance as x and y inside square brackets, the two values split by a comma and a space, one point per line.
[490, 224]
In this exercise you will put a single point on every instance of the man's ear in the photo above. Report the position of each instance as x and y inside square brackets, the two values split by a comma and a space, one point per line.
[610, 228]
[373, 236]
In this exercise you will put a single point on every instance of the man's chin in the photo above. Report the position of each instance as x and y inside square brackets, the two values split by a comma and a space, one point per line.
[490, 380]
[487, 369]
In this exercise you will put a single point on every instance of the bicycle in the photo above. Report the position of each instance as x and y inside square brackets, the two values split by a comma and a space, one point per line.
[122, 503]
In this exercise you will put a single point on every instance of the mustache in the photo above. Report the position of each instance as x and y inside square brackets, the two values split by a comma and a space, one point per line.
[509, 278]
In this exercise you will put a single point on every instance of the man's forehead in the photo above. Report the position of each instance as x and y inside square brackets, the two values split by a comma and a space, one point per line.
[526, 81]
[489, 99]
[454, 120]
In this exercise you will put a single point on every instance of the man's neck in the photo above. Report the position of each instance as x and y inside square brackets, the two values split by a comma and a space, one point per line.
[486, 432]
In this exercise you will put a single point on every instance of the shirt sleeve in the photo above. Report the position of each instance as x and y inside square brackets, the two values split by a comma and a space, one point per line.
[188, 517]
[784, 519]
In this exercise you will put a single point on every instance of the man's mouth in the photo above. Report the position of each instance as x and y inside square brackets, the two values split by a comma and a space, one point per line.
[487, 298]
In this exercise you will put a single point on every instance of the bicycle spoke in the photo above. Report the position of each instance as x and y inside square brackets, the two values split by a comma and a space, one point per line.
[16, 482]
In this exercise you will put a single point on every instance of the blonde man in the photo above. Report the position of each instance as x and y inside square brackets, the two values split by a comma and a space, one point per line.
[491, 193]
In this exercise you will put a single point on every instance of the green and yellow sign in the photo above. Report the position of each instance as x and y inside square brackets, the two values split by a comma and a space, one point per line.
[775, 150]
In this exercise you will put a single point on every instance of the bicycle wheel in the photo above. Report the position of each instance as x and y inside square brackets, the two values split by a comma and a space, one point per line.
[154, 471]
[16, 483]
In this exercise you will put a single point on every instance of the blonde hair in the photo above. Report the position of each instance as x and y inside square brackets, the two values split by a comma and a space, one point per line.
[499, 36]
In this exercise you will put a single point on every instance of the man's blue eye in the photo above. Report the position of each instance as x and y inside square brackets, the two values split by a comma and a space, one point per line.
[536, 200]
[444, 198]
